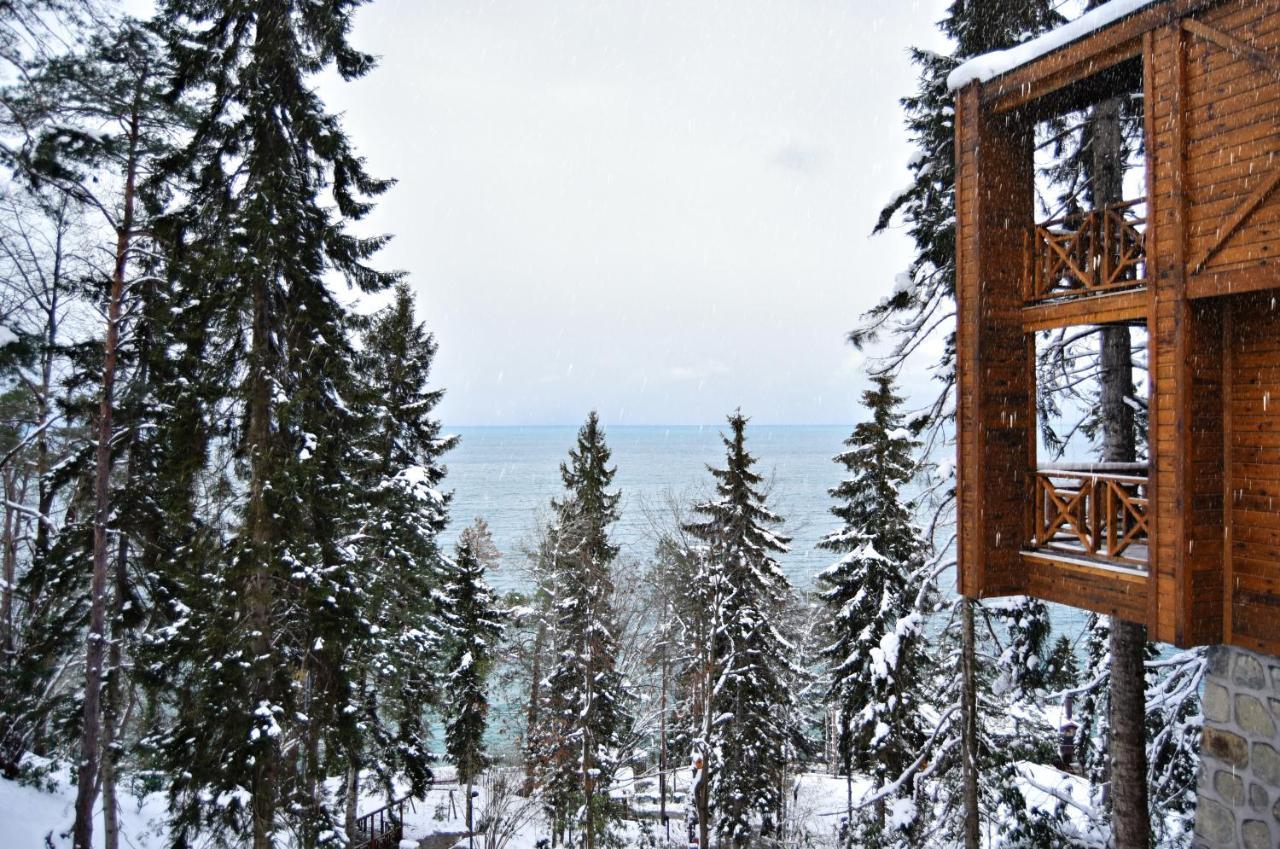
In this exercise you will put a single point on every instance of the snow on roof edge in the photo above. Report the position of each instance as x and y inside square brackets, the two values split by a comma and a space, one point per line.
[991, 65]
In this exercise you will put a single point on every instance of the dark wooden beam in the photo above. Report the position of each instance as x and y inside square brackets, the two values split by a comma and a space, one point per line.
[1085, 57]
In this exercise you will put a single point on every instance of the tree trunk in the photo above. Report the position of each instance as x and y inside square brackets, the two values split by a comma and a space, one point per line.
[848, 801]
[1128, 749]
[471, 828]
[114, 714]
[533, 713]
[351, 793]
[95, 651]
[662, 738]
[969, 724]
[10, 555]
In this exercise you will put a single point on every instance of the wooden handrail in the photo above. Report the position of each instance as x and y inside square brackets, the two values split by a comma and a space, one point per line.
[1100, 515]
[1085, 254]
[382, 828]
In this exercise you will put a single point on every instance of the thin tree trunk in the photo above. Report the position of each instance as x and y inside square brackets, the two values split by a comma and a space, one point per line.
[969, 724]
[113, 716]
[662, 736]
[533, 713]
[352, 797]
[95, 651]
[11, 524]
[471, 828]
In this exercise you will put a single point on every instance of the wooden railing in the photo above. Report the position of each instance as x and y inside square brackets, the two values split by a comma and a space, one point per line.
[1086, 253]
[1096, 511]
[381, 829]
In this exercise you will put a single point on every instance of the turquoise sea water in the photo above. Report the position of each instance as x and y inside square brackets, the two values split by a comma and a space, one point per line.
[508, 475]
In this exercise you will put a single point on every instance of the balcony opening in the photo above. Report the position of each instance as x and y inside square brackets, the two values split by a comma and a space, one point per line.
[1085, 509]
[1086, 253]
[1089, 234]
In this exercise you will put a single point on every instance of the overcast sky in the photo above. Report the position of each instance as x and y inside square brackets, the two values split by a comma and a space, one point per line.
[661, 210]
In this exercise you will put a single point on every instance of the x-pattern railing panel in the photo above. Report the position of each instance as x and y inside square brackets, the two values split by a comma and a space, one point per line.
[1097, 514]
[1086, 253]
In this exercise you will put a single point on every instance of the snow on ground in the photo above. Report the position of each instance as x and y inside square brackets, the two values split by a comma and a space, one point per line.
[991, 65]
[28, 814]
[817, 804]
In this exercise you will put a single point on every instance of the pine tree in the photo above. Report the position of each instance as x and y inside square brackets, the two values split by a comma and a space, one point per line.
[474, 641]
[1064, 670]
[877, 659]
[398, 662]
[265, 615]
[1024, 662]
[99, 123]
[586, 701]
[748, 704]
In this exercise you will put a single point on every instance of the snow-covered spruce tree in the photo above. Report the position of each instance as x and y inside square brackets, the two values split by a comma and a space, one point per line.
[1064, 669]
[475, 637]
[586, 701]
[747, 716]
[921, 307]
[1023, 665]
[266, 614]
[877, 660]
[399, 659]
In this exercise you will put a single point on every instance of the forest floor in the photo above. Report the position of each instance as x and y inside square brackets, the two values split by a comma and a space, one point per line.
[29, 814]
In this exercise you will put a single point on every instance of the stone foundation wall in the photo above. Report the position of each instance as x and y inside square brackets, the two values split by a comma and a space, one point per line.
[1238, 799]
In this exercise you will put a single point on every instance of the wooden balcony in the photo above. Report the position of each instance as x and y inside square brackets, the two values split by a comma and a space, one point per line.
[1091, 253]
[1095, 513]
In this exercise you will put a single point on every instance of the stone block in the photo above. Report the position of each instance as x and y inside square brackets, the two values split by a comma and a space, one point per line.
[1259, 798]
[1229, 787]
[1248, 671]
[1255, 834]
[1220, 661]
[1214, 822]
[1230, 749]
[1252, 717]
[1217, 702]
[1266, 763]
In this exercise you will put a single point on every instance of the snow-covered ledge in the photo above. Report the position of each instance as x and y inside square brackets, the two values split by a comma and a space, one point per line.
[991, 65]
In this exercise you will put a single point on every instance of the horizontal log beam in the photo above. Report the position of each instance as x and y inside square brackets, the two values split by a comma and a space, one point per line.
[1129, 307]
[1255, 278]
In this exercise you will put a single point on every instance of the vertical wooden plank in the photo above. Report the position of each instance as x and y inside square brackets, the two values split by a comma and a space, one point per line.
[1179, 330]
[969, 564]
[1228, 393]
[1151, 238]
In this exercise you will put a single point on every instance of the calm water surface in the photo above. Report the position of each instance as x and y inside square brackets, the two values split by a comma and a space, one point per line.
[508, 475]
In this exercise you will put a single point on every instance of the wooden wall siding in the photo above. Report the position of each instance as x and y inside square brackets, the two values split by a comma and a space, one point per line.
[1211, 79]
[1109, 592]
[1232, 144]
[1204, 447]
[1253, 376]
[994, 197]
[1167, 340]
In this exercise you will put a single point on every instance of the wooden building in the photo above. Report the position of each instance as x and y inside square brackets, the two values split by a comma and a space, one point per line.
[1188, 543]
